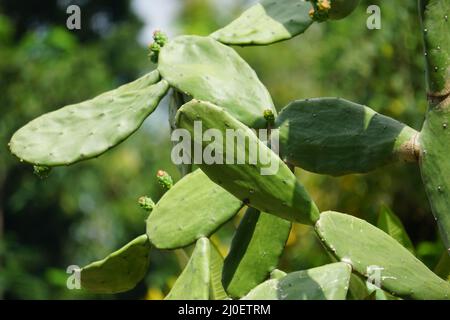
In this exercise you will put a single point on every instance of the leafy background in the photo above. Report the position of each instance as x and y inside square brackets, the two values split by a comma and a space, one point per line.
[81, 213]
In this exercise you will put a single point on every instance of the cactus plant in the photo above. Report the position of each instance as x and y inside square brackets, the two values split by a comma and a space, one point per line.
[328, 282]
[255, 251]
[213, 86]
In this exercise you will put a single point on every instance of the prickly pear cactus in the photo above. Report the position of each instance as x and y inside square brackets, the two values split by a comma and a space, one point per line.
[120, 271]
[435, 134]
[214, 89]
[363, 140]
[267, 22]
[86, 130]
[202, 68]
[190, 215]
[280, 194]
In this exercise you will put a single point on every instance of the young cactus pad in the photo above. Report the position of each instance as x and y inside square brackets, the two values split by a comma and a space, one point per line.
[362, 140]
[255, 251]
[278, 192]
[329, 282]
[120, 271]
[267, 22]
[193, 208]
[88, 129]
[194, 281]
[208, 70]
[370, 252]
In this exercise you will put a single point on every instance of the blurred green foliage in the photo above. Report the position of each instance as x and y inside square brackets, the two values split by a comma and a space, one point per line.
[81, 213]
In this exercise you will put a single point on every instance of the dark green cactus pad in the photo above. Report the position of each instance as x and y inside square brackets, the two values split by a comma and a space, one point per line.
[193, 283]
[120, 271]
[217, 291]
[329, 282]
[393, 226]
[442, 269]
[342, 8]
[435, 166]
[267, 22]
[360, 141]
[193, 208]
[368, 249]
[277, 192]
[436, 30]
[207, 70]
[88, 129]
[255, 251]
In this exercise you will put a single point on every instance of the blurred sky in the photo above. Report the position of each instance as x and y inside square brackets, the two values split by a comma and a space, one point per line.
[160, 14]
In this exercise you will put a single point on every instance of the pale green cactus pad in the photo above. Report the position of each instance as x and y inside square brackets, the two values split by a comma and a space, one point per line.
[120, 271]
[362, 140]
[88, 129]
[207, 70]
[193, 283]
[393, 226]
[216, 292]
[275, 191]
[370, 252]
[193, 208]
[255, 251]
[267, 22]
[436, 27]
[329, 282]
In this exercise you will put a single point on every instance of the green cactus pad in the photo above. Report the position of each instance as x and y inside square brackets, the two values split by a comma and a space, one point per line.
[194, 207]
[255, 251]
[342, 8]
[267, 22]
[368, 249]
[436, 30]
[207, 70]
[435, 135]
[329, 282]
[88, 129]
[193, 283]
[442, 269]
[120, 271]
[435, 166]
[216, 292]
[277, 191]
[277, 274]
[362, 140]
[393, 226]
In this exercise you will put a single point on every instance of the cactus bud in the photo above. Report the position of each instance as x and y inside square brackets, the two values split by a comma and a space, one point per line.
[332, 9]
[160, 38]
[146, 203]
[154, 48]
[164, 179]
[42, 171]
[269, 116]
